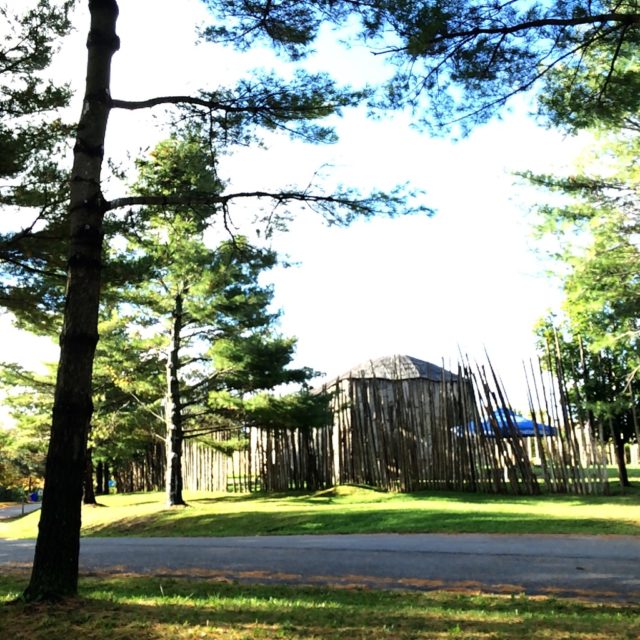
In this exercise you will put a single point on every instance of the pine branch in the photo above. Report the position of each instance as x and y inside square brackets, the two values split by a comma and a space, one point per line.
[197, 433]
[34, 270]
[213, 105]
[625, 19]
[612, 64]
[202, 199]
[146, 408]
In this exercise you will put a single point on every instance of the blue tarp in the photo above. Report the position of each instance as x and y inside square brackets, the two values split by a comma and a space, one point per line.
[505, 420]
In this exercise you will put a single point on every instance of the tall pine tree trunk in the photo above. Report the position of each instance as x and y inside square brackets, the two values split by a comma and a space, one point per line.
[106, 477]
[99, 474]
[173, 411]
[55, 567]
[89, 495]
[619, 448]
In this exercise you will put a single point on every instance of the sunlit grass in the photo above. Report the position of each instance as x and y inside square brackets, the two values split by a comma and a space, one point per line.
[350, 510]
[160, 608]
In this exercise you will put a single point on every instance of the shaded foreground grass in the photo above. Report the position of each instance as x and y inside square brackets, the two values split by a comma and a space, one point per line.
[351, 510]
[159, 608]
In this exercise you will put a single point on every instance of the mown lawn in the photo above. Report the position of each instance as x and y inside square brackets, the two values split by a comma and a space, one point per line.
[351, 510]
[142, 608]
[163, 608]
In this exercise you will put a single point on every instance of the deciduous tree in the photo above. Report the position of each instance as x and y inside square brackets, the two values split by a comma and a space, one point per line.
[599, 263]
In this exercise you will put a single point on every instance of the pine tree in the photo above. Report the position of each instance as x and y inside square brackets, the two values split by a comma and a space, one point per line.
[231, 113]
[207, 312]
[29, 103]
[32, 139]
[460, 61]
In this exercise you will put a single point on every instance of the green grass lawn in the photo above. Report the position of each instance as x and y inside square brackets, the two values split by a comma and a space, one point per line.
[351, 510]
[163, 608]
[133, 607]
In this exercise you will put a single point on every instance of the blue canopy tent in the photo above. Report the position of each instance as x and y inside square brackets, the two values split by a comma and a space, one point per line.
[505, 421]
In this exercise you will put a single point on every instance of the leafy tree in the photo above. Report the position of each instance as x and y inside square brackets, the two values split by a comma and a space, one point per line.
[125, 388]
[28, 399]
[599, 259]
[594, 384]
[304, 410]
[9, 473]
[596, 227]
[126, 397]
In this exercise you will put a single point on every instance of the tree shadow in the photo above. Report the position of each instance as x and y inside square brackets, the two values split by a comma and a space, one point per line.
[160, 608]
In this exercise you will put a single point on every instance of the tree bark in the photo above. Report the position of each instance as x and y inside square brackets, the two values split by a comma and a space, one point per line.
[55, 567]
[173, 411]
[106, 476]
[99, 475]
[621, 462]
[89, 495]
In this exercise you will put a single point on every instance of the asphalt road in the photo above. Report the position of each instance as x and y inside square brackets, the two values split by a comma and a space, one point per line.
[17, 510]
[599, 567]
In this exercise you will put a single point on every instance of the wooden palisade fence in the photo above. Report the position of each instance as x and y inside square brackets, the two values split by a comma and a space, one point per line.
[401, 424]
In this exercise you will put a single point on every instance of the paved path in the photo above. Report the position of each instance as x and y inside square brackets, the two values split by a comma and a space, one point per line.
[600, 567]
[17, 510]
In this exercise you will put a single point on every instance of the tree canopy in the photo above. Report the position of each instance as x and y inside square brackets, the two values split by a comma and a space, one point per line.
[29, 128]
[596, 230]
[463, 60]
[32, 141]
[204, 307]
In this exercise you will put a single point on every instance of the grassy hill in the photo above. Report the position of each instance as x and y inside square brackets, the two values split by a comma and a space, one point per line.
[351, 509]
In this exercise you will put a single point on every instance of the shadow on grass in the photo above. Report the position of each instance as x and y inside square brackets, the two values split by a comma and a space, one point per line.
[13, 518]
[343, 492]
[617, 495]
[158, 500]
[158, 609]
[361, 494]
[309, 521]
[258, 496]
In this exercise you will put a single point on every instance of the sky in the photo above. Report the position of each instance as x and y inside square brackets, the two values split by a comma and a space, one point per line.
[466, 279]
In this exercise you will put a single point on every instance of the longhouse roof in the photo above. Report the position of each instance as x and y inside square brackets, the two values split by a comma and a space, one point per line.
[398, 367]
